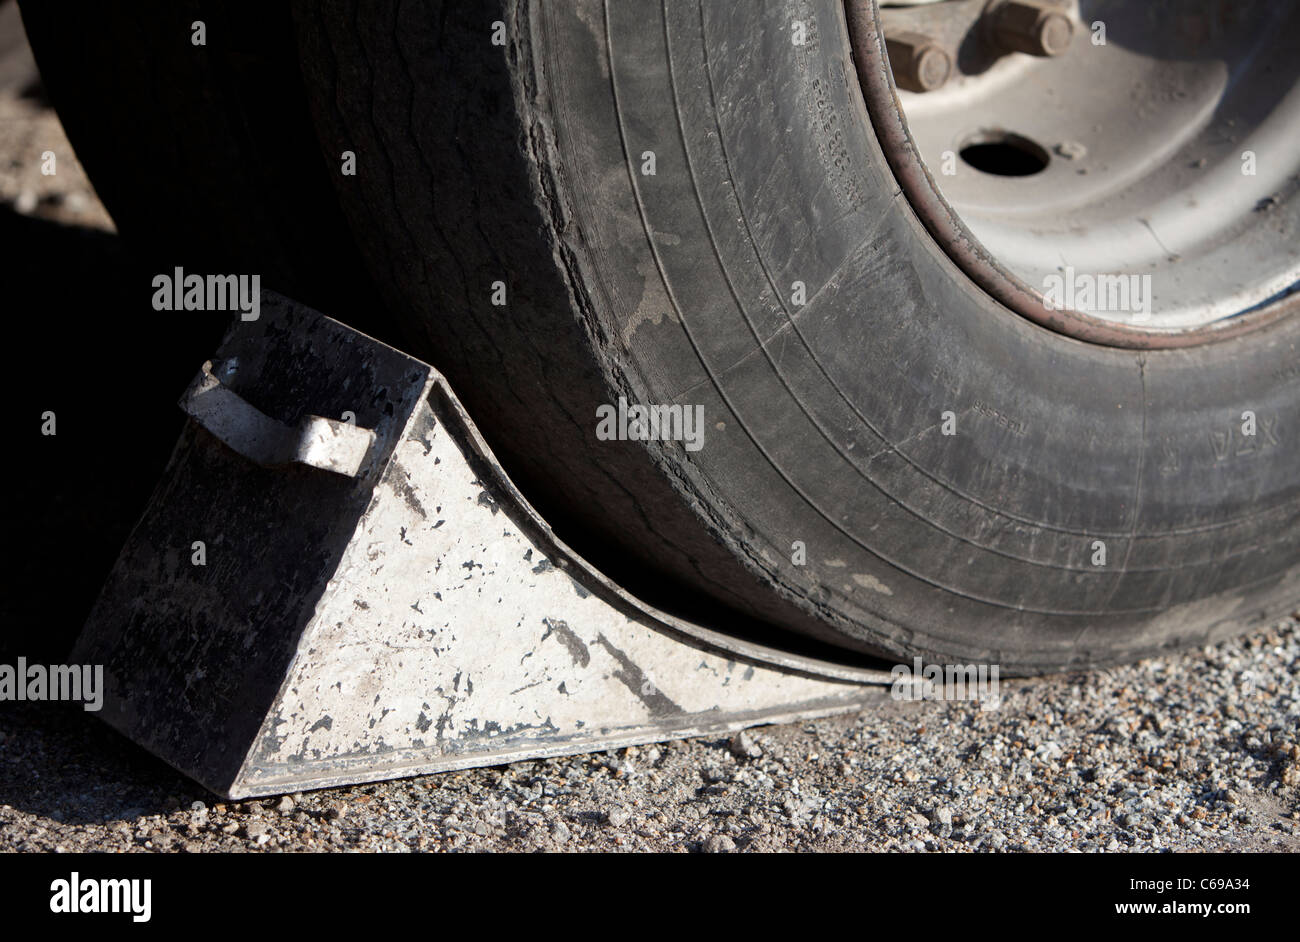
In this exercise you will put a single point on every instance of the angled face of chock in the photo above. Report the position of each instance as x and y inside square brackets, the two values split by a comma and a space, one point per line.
[375, 599]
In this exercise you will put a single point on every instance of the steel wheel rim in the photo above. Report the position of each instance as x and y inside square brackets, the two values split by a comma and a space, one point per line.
[1007, 280]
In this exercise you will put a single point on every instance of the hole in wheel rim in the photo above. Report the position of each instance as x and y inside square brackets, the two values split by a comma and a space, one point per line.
[1003, 154]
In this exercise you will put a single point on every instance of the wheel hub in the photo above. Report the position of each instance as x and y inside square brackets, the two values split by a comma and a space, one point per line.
[1124, 172]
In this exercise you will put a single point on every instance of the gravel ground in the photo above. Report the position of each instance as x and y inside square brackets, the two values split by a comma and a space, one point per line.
[1195, 752]
[28, 129]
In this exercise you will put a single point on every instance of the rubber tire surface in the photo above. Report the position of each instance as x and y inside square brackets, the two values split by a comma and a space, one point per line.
[1094, 504]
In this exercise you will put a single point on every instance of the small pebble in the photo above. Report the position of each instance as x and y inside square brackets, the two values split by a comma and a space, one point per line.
[744, 747]
[719, 844]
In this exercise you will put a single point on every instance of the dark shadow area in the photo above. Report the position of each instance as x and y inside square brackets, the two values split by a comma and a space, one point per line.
[63, 766]
[83, 343]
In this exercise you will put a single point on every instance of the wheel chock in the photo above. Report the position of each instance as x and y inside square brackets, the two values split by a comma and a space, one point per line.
[336, 582]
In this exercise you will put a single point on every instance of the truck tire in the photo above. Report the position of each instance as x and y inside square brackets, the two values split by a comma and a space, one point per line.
[686, 207]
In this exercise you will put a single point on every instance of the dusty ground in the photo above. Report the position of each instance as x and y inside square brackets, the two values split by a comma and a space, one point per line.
[1197, 752]
[29, 129]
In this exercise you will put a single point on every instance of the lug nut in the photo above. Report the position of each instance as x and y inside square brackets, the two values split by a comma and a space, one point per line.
[920, 64]
[1039, 29]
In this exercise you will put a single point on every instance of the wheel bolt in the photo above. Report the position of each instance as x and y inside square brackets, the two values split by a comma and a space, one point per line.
[1029, 26]
[920, 64]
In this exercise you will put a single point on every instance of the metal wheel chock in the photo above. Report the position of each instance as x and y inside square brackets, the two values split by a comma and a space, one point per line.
[336, 582]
